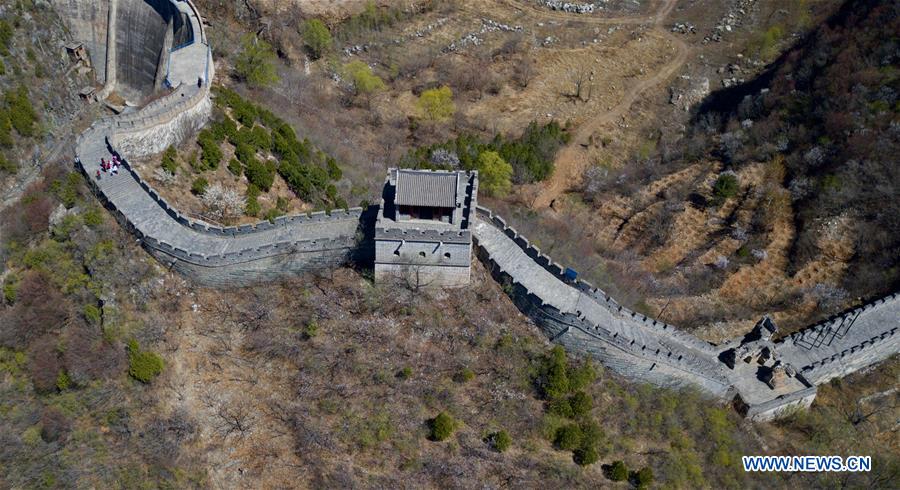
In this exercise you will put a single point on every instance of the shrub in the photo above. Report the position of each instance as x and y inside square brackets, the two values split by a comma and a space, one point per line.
[334, 171]
[63, 381]
[6, 35]
[44, 365]
[211, 154]
[67, 190]
[494, 173]
[644, 477]
[22, 115]
[260, 174]
[259, 138]
[316, 36]
[199, 186]
[586, 455]
[500, 441]
[830, 182]
[618, 471]
[726, 187]
[531, 156]
[92, 217]
[310, 330]
[365, 83]
[235, 167]
[252, 208]
[169, 163]
[553, 374]
[581, 377]
[405, 373]
[7, 165]
[10, 288]
[464, 375]
[568, 437]
[256, 62]
[6, 138]
[272, 214]
[92, 314]
[143, 366]
[581, 404]
[282, 204]
[442, 427]
[437, 104]
[39, 308]
[54, 425]
[560, 406]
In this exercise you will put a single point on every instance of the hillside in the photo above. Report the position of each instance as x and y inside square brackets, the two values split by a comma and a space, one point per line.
[779, 196]
[775, 194]
[829, 108]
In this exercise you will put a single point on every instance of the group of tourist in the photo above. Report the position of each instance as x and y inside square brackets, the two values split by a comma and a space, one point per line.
[110, 166]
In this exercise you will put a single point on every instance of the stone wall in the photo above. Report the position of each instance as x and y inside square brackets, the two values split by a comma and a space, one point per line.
[837, 347]
[425, 276]
[268, 263]
[156, 132]
[779, 407]
[846, 343]
[624, 356]
[251, 265]
[574, 314]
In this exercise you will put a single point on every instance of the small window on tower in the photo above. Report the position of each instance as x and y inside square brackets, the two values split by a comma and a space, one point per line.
[421, 254]
[446, 255]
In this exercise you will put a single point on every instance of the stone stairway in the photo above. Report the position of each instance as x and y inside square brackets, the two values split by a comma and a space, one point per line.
[872, 336]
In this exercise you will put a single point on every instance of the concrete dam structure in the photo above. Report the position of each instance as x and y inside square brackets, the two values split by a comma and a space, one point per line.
[132, 43]
[763, 375]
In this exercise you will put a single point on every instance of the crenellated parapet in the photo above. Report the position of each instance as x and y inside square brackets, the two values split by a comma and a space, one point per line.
[767, 378]
[570, 312]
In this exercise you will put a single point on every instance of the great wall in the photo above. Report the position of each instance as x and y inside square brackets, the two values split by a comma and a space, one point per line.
[764, 376]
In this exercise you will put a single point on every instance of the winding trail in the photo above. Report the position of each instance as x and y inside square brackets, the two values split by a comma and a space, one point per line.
[571, 160]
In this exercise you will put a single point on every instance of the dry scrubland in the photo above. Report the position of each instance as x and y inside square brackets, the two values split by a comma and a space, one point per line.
[115, 373]
[638, 173]
[332, 381]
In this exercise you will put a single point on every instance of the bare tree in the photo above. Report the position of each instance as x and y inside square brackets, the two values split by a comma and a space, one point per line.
[234, 419]
[524, 71]
[582, 81]
[415, 278]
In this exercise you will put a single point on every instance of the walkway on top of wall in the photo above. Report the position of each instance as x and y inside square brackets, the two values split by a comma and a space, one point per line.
[150, 219]
[566, 298]
[858, 338]
[864, 327]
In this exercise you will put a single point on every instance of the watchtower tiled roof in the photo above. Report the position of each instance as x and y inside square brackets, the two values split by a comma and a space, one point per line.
[424, 188]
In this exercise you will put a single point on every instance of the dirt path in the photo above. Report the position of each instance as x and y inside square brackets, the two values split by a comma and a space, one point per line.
[571, 160]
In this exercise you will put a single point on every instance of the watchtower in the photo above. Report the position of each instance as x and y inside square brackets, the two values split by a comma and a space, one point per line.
[423, 230]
